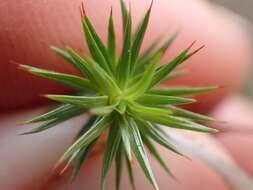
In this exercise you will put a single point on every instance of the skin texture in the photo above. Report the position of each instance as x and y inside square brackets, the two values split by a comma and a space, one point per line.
[32, 169]
[239, 129]
[25, 27]
[26, 161]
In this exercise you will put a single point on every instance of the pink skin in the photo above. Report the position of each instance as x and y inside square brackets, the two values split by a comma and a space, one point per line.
[238, 139]
[26, 161]
[227, 48]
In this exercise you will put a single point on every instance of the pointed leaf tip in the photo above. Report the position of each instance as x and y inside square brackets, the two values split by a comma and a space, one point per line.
[140, 153]
[111, 43]
[139, 37]
[151, 4]
[196, 51]
[14, 63]
[26, 68]
[111, 10]
[190, 46]
[82, 10]
[110, 152]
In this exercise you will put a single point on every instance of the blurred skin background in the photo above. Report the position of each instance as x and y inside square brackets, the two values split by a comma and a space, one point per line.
[26, 162]
[244, 9]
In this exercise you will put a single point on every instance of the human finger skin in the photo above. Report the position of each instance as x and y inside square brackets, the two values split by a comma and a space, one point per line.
[27, 160]
[237, 112]
[25, 39]
[188, 173]
[32, 158]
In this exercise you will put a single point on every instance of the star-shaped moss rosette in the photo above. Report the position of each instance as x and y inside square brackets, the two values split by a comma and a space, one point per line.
[122, 95]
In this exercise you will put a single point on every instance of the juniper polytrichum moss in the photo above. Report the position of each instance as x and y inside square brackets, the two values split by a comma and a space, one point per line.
[124, 96]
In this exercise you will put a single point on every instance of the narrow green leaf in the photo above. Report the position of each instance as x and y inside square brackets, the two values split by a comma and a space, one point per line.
[83, 66]
[124, 14]
[155, 99]
[121, 108]
[140, 152]
[96, 46]
[175, 122]
[126, 137]
[118, 165]
[110, 151]
[175, 74]
[139, 39]
[191, 115]
[156, 154]
[94, 132]
[83, 155]
[124, 65]
[130, 173]
[65, 79]
[164, 117]
[152, 132]
[100, 43]
[104, 109]
[60, 111]
[138, 109]
[89, 123]
[44, 126]
[160, 130]
[164, 70]
[189, 55]
[105, 81]
[97, 39]
[179, 91]
[171, 75]
[53, 122]
[191, 125]
[64, 54]
[167, 44]
[112, 43]
[140, 87]
[70, 160]
[149, 53]
[96, 74]
[80, 100]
